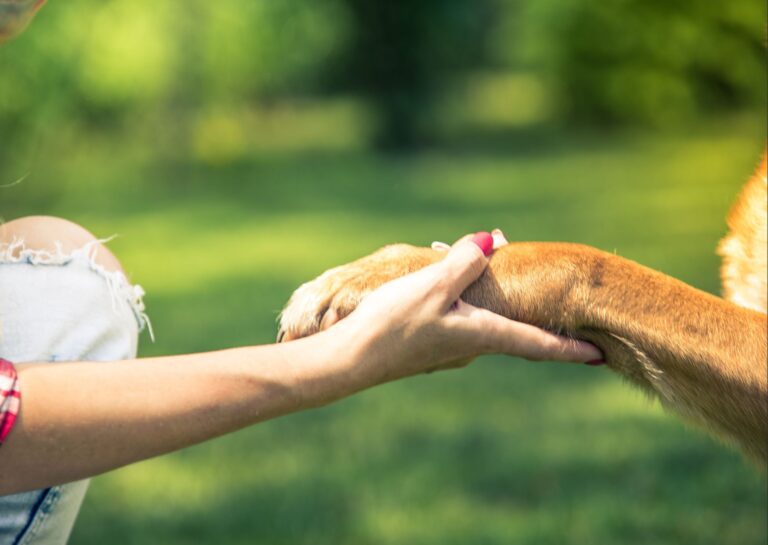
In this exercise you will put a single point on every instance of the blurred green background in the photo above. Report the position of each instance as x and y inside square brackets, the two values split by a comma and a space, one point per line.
[241, 148]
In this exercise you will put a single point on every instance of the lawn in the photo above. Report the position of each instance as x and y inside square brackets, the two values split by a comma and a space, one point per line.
[505, 451]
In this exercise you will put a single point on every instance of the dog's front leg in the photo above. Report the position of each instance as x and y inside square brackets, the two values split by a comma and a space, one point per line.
[703, 356]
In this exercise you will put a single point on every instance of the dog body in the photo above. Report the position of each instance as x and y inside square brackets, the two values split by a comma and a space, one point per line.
[702, 356]
[745, 263]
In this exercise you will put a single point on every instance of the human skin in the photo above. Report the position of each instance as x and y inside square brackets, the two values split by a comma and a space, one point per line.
[106, 416]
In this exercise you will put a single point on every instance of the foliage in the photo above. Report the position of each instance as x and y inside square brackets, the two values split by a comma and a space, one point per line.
[641, 62]
[107, 63]
[402, 54]
[618, 62]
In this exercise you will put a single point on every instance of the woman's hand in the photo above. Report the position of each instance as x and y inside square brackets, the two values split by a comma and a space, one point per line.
[418, 323]
[15, 15]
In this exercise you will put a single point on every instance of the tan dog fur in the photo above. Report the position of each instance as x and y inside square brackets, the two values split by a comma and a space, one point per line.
[703, 356]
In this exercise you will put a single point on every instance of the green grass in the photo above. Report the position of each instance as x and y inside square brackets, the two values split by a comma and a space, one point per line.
[503, 452]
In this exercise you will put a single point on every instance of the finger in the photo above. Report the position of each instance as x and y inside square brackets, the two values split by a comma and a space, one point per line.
[464, 264]
[499, 239]
[457, 364]
[497, 334]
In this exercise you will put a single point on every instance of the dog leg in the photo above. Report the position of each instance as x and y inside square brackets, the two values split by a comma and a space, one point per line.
[701, 355]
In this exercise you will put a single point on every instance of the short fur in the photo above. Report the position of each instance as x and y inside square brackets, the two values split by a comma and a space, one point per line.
[703, 356]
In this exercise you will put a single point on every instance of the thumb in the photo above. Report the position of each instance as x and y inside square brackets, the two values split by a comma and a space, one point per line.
[465, 263]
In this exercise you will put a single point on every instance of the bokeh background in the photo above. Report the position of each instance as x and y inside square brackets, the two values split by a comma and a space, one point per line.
[241, 147]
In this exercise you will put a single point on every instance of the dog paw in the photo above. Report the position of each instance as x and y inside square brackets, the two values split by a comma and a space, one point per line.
[333, 295]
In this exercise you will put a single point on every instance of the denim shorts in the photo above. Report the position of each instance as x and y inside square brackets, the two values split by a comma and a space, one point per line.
[57, 307]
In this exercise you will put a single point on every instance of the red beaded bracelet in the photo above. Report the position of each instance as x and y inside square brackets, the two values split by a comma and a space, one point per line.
[10, 398]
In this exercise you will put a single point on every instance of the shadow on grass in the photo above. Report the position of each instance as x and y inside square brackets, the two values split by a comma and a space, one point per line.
[678, 493]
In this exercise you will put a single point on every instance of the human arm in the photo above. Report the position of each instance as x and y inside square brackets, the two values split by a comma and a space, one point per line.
[80, 419]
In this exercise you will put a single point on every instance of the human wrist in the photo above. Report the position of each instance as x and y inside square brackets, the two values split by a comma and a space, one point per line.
[330, 365]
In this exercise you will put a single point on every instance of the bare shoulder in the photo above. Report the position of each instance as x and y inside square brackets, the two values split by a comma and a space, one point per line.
[52, 234]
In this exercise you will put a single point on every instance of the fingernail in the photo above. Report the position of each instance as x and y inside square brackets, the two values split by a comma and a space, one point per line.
[484, 241]
[595, 362]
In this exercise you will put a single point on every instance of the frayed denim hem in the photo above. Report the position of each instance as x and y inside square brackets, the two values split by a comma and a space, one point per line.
[121, 290]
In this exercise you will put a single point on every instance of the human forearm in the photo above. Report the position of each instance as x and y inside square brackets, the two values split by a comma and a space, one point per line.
[84, 418]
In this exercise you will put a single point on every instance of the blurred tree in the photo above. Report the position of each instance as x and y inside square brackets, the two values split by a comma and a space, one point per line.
[645, 62]
[112, 63]
[105, 63]
[401, 53]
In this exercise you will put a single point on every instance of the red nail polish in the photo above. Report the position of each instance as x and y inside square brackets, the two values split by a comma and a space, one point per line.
[484, 241]
[595, 362]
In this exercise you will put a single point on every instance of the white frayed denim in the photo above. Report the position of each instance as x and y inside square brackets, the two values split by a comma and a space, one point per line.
[55, 307]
